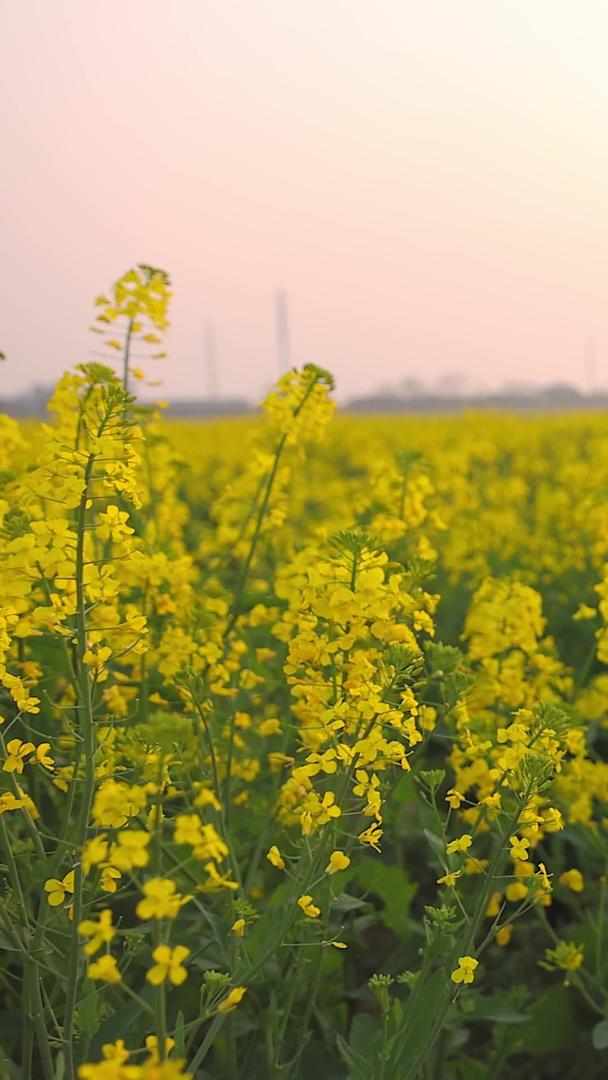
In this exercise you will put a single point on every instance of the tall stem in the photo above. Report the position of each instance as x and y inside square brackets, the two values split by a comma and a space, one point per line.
[262, 511]
[160, 1002]
[467, 945]
[87, 732]
[238, 593]
[126, 356]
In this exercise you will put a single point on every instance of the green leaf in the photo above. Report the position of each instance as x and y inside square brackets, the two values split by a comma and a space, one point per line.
[361, 1051]
[393, 887]
[469, 1069]
[345, 903]
[363, 1033]
[127, 1018]
[60, 1066]
[552, 1025]
[356, 1065]
[180, 1035]
[496, 1008]
[599, 1035]
[8, 1069]
[427, 1002]
[436, 843]
[88, 1014]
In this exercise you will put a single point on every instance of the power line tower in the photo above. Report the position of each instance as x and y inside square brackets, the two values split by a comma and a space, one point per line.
[282, 328]
[590, 365]
[211, 371]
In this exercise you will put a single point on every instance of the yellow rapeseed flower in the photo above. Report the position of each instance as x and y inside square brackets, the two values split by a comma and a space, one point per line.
[337, 861]
[274, 856]
[233, 999]
[104, 970]
[58, 890]
[169, 965]
[161, 900]
[572, 879]
[462, 844]
[308, 906]
[454, 798]
[465, 972]
[18, 751]
[519, 847]
[99, 932]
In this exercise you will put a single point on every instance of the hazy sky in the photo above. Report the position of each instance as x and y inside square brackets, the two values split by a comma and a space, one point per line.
[427, 178]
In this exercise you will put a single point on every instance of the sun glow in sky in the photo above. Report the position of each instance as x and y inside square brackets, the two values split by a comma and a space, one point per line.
[427, 179]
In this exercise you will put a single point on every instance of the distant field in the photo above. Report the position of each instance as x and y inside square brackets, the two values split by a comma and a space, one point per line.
[304, 741]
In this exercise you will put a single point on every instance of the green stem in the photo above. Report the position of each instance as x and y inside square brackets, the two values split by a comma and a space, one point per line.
[217, 786]
[286, 1008]
[465, 948]
[160, 1003]
[87, 730]
[238, 594]
[599, 941]
[38, 1021]
[32, 1004]
[207, 1042]
[14, 874]
[240, 587]
[126, 355]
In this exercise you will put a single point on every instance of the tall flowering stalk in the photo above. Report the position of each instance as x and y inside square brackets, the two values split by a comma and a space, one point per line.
[134, 315]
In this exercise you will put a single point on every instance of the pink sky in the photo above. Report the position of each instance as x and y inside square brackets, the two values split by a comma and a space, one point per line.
[427, 178]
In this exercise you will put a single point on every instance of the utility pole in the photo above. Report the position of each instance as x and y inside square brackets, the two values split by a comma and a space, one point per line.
[282, 328]
[590, 365]
[210, 361]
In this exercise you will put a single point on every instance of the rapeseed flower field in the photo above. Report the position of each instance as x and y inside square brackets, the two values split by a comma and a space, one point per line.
[304, 736]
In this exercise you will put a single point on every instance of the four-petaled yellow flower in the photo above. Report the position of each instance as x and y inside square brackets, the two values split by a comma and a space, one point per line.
[308, 907]
[130, 849]
[543, 877]
[42, 757]
[94, 852]
[169, 965]
[494, 905]
[519, 847]
[572, 879]
[96, 658]
[465, 972]
[274, 856]
[108, 879]
[99, 933]
[17, 752]
[161, 901]
[449, 879]
[152, 1048]
[104, 970]
[116, 1052]
[504, 935]
[113, 524]
[371, 836]
[462, 844]
[233, 999]
[337, 861]
[454, 798]
[238, 927]
[552, 820]
[57, 890]
[8, 801]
